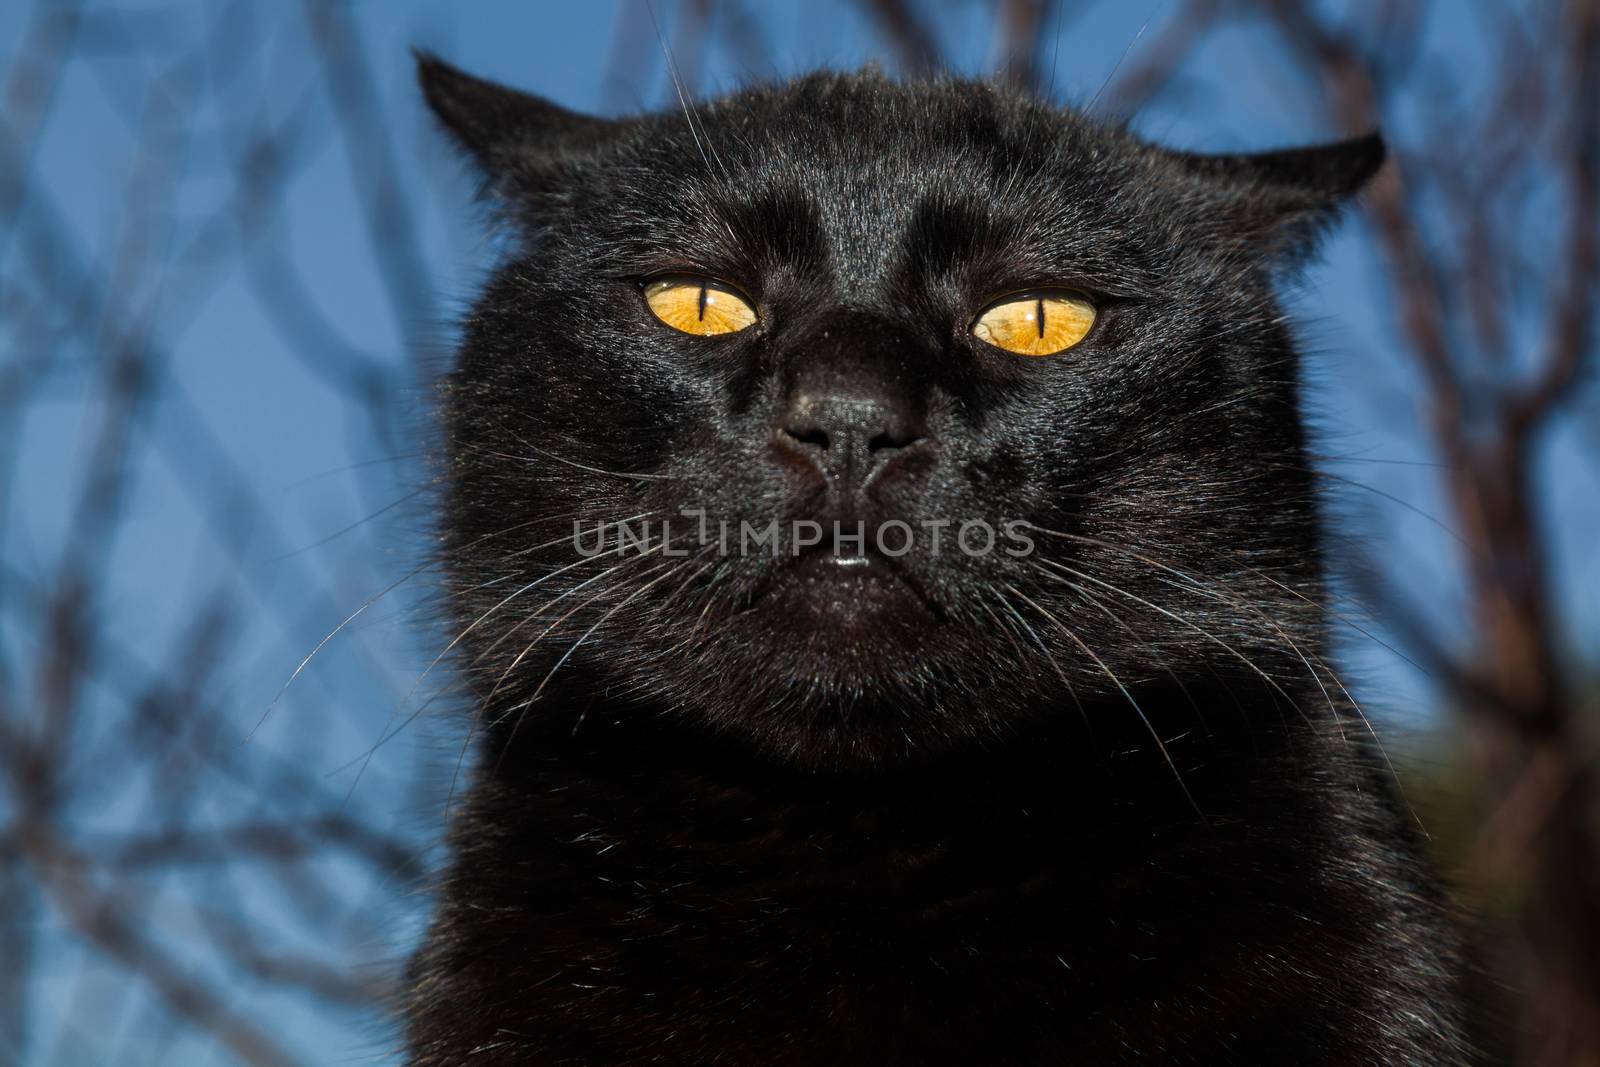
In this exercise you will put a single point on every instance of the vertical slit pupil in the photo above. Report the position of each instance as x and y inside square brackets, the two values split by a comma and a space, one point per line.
[702, 301]
[1039, 315]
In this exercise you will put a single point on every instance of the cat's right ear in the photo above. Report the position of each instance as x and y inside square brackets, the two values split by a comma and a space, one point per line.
[1280, 203]
[511, 135]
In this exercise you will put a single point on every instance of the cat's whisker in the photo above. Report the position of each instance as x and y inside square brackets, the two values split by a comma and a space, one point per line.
[508, 599]
[480, 707]
[391, 731]
[1011, 636]
[620, 549]
[1316, 673]
[1205, 585]
[670, 569]
[696, 128]
[637, 476]
[384, 738]
[517, 661]
[679, 567]
[1343, 617]
[645, 553]
[301, 666]
[1055, 664]
[1117, 66]
[704, 612]
[1212, 587]
[1406, 504]
[389, 734]
[330, 538]
[1155, 736]
[1180, 620]
[1361, 714]
[385, 591]
[702, 618]
[371, 752]
[1123, 624]
[1282, 634]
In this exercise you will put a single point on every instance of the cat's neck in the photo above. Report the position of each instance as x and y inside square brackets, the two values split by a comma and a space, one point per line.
[649, 778]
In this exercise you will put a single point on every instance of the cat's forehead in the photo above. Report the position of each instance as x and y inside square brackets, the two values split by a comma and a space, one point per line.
[864, 173]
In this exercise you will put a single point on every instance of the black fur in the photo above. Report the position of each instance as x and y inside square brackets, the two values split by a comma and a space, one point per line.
[725, 814]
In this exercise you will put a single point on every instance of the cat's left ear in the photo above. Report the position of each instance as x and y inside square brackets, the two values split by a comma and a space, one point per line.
[1282, 202]
[511, 135]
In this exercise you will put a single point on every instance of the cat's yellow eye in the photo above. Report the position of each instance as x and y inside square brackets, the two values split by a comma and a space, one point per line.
[1039, 323]
[698, 305]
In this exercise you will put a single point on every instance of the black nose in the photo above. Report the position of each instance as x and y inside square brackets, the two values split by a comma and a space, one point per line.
[851, 435]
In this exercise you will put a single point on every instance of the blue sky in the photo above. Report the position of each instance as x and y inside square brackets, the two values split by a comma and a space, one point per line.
[274, 423]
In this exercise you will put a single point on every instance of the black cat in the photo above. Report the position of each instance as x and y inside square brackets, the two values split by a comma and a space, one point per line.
[948, 686]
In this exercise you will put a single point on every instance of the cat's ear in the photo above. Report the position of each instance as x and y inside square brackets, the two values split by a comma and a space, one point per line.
[508, 133]
[1282, 202]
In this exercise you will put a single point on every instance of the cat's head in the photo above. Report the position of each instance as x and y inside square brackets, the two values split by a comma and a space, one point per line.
[1036, 364]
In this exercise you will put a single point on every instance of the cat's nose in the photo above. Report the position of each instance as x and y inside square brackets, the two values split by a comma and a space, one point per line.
[852, 436]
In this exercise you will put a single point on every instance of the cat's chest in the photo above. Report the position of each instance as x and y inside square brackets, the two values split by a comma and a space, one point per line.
[760, 926]
[786, 940]
[1017, 874]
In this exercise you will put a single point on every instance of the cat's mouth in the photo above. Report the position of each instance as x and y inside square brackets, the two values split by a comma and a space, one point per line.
[848, 590]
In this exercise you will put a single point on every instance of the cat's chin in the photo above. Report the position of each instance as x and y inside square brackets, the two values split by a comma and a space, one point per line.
[827, 669]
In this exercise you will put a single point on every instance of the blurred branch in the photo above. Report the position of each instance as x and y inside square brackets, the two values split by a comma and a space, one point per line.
[45, 47]
[1572, 328]
[280, 841]
[1157, 63]
[98, 746]
[98, 918]
[374, 171]
[912, 39]
[1022, 25]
